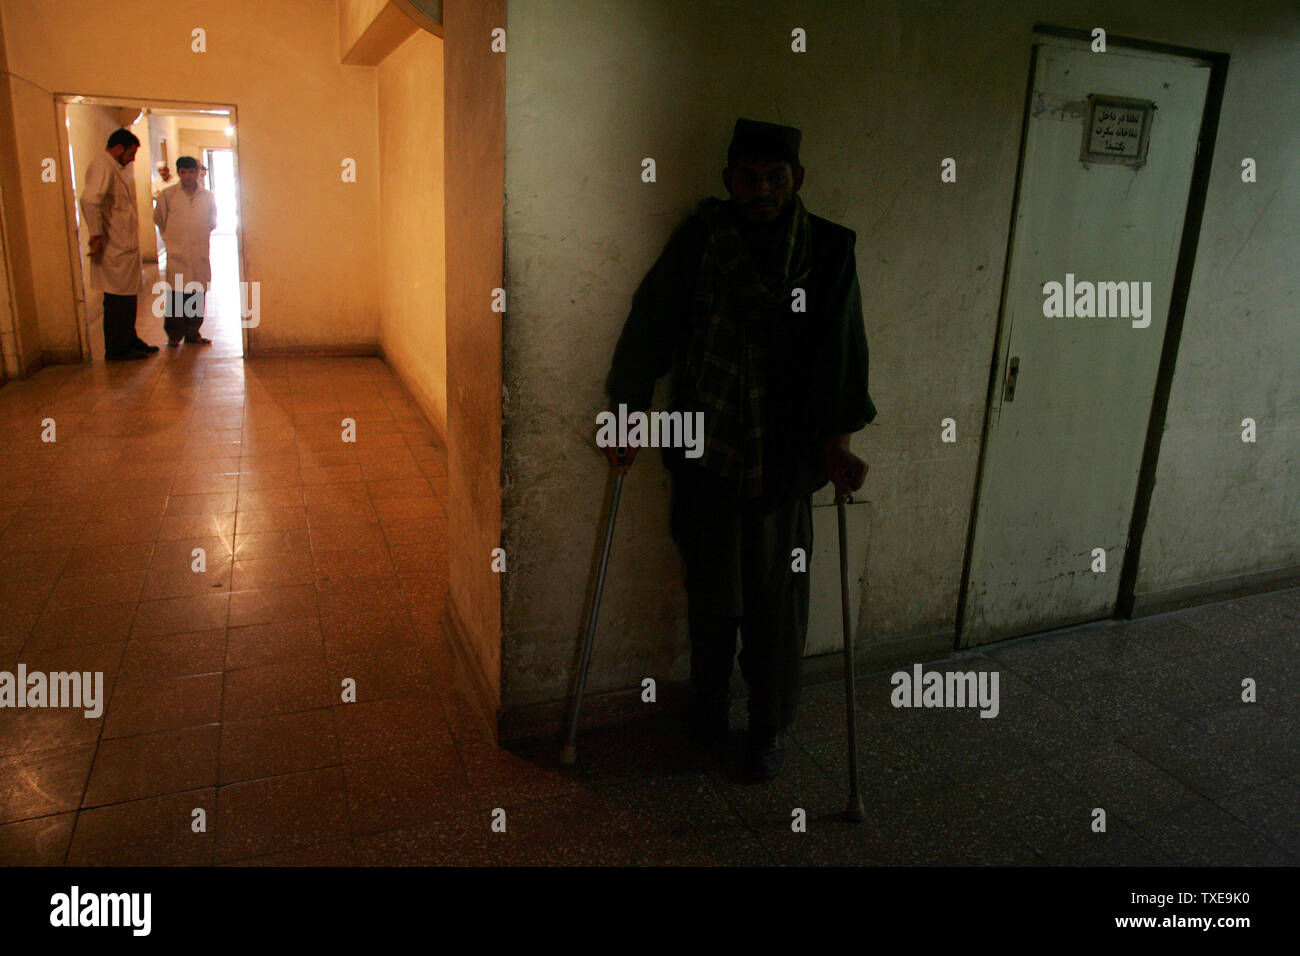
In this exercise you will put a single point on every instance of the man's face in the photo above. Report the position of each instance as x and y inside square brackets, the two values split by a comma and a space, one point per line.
[189, 176]
[125, 155]
[165, 172]
[762, 189]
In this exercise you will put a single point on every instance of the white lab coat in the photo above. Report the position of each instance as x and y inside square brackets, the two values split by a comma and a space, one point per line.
[108, 210]
[186, 222]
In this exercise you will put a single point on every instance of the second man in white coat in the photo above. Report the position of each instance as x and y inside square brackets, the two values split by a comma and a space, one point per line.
[186, 213]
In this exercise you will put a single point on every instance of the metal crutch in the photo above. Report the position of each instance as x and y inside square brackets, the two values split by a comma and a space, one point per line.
[854, 473]
[569, 755]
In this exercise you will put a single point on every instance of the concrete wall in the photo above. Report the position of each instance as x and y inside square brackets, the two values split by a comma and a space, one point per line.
[22, 337]
[884, 92]
[311, 239]
[49, 319]
[474, 158]
[163, 126]
[413, 316]
[1222, 507]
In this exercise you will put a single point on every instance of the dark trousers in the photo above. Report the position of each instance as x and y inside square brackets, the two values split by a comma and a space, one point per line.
[739, 575]
[184, 315]
[119, 323]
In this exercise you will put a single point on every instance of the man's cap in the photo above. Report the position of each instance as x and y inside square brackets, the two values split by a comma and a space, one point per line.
[753, 139]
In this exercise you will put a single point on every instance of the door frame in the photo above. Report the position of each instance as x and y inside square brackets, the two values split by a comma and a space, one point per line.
[1186, 260]
[10, 357]
[61, 101]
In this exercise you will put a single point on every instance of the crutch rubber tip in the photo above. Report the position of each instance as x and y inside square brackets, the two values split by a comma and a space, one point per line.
[569, 755]
[855, 813]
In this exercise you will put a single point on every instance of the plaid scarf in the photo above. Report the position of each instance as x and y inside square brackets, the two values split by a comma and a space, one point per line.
[736, 292]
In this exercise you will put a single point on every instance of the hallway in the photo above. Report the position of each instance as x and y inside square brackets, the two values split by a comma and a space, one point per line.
[318, 581]
[326, 560]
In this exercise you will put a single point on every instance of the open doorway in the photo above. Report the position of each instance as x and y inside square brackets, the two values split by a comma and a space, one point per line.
[167, 131]
[224, 248]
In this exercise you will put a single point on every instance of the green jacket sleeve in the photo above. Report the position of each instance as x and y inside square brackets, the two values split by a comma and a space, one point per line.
[845, 401]
[659, 320]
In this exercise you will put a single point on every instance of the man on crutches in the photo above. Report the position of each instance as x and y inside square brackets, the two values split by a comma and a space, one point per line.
[755, 305]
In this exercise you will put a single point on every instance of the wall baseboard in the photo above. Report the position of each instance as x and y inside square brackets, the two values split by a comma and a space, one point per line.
[614, 707]
[458, 638]
[61, 357]
[431, 418]
[1210, 592]
[346, 350]
[549, 718]
[886, 653]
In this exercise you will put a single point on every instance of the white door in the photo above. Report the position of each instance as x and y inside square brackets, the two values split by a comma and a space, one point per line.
[1075, 381]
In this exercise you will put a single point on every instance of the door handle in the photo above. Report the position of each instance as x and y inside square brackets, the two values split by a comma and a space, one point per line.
[1013, 370]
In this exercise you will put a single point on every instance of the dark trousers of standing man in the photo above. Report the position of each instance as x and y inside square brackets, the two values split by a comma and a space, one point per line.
[184, 314]
[739, 573]
[119, 324]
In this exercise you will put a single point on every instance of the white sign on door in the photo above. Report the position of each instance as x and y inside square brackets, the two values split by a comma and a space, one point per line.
[1118, 130]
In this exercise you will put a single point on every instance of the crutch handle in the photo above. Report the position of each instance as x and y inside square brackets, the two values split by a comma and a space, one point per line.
[847, 471]
[620, 459]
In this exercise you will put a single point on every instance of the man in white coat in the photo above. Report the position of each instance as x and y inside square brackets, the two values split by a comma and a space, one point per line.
[186, 214]
[109, 212]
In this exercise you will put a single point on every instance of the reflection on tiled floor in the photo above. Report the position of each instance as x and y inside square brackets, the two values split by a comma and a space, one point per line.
[200, 532]
[225, 739]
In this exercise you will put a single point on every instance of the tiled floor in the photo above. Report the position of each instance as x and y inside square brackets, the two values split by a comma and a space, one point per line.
[1143, 719]
[325, 561]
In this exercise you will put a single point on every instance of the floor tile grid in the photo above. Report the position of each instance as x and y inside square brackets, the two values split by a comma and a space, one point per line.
[736, 807]
[227, 420]
[1136, 756]
[226, 622]
[1064, 785]
[321, 401]
[112, 679]
[1189, 655]
[311, 397]
[1196, 652]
